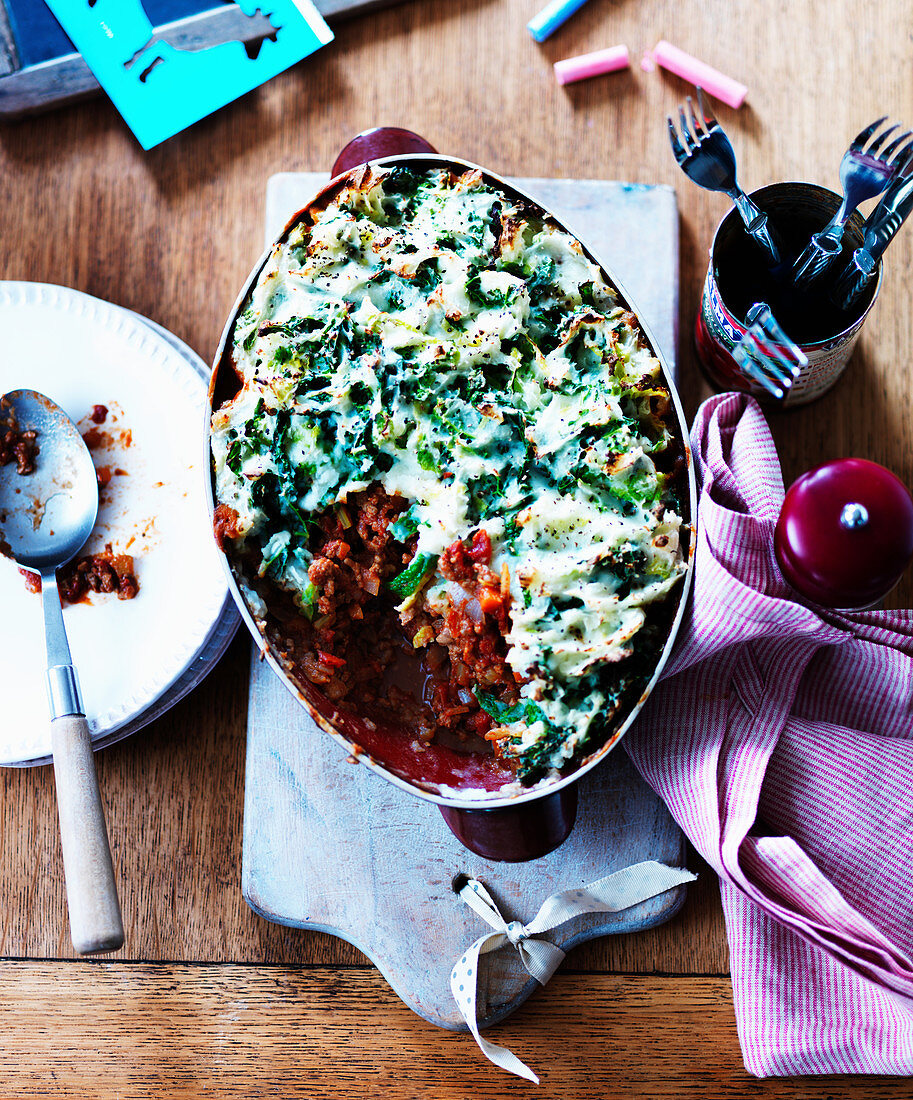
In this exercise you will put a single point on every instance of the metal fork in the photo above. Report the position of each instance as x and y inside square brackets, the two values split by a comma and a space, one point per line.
[705, 154]
[766, 354]
[880, 229]
[864, 173]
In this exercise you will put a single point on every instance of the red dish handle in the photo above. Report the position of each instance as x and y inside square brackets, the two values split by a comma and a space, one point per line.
[382, 141]
[519, 833]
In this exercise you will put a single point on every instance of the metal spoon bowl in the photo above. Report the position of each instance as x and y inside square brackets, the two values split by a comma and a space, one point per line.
[45, 518]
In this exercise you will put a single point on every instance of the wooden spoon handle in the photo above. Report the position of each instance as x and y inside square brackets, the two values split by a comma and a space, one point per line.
[95, 919]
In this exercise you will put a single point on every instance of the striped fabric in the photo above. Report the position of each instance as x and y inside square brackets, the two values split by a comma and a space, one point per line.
[781, 739]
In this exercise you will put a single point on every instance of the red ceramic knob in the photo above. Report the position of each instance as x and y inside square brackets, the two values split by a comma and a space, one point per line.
[382, 141]
[845, 533]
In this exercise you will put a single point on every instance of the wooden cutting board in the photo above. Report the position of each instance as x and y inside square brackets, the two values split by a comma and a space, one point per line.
[330, 846]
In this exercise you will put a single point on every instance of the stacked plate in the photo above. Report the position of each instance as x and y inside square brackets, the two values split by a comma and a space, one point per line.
[139, 395]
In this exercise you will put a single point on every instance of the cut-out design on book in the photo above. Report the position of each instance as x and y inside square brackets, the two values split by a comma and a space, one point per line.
[131, 23]
[164, 79]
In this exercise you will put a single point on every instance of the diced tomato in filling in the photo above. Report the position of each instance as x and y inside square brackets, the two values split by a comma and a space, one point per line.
[330, 659]
[480, 723]
[480, 547]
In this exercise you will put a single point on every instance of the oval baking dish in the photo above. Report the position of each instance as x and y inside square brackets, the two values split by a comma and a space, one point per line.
[452, 480]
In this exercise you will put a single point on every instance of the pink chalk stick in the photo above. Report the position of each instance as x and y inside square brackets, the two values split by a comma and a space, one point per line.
[689, 68]
[592, 64]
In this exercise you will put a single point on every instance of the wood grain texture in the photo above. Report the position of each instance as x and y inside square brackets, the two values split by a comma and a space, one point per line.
[182, 1032]
[172, 233]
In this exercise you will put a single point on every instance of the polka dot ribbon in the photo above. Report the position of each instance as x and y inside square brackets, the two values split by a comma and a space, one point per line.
[541, 958]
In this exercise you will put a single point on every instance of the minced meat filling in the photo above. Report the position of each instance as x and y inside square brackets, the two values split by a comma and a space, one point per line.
[353, 634]
[471, 631]
[98, 573]
[107, 572]
[353, 554]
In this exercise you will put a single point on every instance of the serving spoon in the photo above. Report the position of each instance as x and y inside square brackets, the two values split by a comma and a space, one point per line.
[45, 518]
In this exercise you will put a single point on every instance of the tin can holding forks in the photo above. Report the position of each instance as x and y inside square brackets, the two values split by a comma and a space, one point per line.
[738, 276]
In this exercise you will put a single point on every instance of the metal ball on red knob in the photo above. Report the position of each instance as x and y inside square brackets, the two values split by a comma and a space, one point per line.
[845, 533]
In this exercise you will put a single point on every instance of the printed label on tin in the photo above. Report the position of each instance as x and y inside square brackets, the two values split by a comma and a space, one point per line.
[825, 365]
[719, 320]
[826, 362]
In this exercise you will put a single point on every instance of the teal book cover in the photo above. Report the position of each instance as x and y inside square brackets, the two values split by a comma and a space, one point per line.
[161, 89]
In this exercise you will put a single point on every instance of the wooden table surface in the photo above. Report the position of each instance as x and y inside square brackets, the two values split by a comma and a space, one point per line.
[206, 998]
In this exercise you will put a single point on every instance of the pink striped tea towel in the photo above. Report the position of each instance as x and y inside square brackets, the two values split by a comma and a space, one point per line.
[782, 741]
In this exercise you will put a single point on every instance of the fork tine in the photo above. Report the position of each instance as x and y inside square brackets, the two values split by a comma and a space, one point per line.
[775, 363]
[689, 141]
[678, 150]
[696, 125]
[789, 366]
[876, 143]
[858, 142]
[761, 314]
[750, 366]
[895, 144]
[766, 354]
[901, 161]
[709, 121]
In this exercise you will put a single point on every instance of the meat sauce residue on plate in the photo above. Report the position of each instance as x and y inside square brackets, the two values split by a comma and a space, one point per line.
[105, 572]
[96, 439]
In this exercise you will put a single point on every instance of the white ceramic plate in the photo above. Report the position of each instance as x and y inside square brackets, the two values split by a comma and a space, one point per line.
[134, 657]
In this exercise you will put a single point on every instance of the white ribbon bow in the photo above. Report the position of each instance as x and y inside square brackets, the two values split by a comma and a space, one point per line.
[611, 894]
